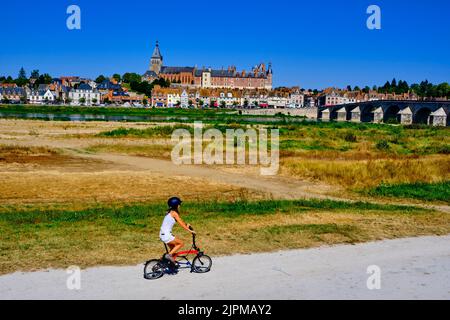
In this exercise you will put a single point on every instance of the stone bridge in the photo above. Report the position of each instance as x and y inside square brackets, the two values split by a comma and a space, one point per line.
[436, 113]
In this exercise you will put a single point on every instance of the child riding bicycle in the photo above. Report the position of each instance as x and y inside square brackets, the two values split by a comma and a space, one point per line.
[166, 236]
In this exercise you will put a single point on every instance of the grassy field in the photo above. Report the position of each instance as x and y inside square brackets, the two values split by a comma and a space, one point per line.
[110, 110]
[122, 235]
[423, 191]
[354, 156]
[63, 201]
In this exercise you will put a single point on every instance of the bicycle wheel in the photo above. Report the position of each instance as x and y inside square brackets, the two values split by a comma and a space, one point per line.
[201, 264]
[153, 270]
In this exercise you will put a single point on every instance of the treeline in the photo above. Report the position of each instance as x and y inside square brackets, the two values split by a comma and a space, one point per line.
[135, 83]
[23, 80]
[425, 89]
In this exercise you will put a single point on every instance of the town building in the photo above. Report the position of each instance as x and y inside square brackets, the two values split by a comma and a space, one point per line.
[260, 77]
[41, 96]
[12, 94]
[296, 99]
[84, 92]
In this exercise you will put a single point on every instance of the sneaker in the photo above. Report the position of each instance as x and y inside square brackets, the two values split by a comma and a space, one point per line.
[170, 258]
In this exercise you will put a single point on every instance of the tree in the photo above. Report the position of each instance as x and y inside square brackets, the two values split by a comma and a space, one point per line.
[34, 74]
[22, 78]
[117, 77]
[82, 100]
[22, 74]
[349, 88]
[223, 104]
[131, 77]
[386, 88]
[94, 101]
[402, 87]
[357, 88]
[366, 89]
[201, 103]
[43, 79]
[245, 103]
[145, 102]
[100, 79]
[394, 84]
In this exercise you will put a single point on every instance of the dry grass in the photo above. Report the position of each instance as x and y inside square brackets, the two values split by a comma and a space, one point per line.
[68, 189]
[369, 173]
[158, 150]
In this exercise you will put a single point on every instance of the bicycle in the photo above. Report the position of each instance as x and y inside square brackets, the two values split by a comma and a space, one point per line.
[155, 269]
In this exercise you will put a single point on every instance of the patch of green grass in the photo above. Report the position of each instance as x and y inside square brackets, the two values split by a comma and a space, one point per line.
[159, 131]
[137, 213]
[422, 191]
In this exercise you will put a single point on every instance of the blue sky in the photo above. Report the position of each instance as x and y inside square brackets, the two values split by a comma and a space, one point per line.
[313, 44]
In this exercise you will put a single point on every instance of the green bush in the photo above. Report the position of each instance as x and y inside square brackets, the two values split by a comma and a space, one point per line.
[383, 145]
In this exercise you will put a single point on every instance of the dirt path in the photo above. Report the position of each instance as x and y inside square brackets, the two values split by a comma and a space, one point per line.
[279, 187]
[414, 268]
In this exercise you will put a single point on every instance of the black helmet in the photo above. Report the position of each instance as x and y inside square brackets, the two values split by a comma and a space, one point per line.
[174, 202]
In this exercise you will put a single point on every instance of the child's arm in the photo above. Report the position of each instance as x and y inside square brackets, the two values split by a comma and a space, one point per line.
[177, 217]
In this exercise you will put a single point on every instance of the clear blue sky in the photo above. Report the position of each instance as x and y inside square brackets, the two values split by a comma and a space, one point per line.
[313, 44]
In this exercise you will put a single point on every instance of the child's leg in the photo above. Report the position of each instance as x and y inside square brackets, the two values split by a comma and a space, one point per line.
[175, 246]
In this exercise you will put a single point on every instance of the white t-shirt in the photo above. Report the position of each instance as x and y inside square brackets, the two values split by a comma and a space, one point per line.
[167, 224]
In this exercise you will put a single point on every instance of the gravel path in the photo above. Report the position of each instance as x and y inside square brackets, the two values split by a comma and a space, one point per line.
[414, 268]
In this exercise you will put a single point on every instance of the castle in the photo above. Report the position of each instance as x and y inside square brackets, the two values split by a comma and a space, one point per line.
[259, 78]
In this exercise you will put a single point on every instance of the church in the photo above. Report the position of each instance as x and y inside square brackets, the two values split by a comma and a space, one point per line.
[260, 77]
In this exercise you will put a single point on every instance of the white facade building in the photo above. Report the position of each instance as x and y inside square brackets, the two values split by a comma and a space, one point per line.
[184, 99]
[277, 102]
[296, 100]
[173, 99]
[41, 96]
[84, 91]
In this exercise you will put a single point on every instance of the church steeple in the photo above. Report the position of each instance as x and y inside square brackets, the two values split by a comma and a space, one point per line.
[157, 60]
[156, 52]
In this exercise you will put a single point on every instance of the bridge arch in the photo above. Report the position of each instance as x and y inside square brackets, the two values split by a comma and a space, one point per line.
[391, 114]
[422, 116]
[367, 112]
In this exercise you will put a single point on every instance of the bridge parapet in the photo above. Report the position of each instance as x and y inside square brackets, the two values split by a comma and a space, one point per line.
[436, 113]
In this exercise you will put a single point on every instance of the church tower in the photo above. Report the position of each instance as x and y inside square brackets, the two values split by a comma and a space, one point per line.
[157, 60]
[269, 77]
